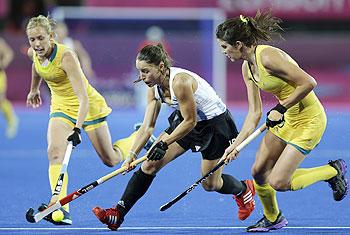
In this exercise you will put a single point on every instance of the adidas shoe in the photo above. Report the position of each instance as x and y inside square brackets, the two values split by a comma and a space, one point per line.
[111, 217]
[245, 201]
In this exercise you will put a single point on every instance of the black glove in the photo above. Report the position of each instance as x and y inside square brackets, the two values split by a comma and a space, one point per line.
[75, 137]
[279, 108]
[158, 151]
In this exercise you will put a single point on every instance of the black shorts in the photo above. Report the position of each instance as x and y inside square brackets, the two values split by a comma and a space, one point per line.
[210, 137]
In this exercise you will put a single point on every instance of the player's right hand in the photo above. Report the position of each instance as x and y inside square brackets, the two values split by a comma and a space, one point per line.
[128, 160]
[275, 116]
[34, 99]
[75, 137]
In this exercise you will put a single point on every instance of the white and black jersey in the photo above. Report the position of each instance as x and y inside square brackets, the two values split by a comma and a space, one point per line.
[215, 127]
[208, 103]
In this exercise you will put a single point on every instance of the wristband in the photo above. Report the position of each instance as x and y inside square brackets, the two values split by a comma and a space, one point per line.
[280, 108]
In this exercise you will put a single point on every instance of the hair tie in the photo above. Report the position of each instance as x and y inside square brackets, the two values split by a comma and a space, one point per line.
[243, 19]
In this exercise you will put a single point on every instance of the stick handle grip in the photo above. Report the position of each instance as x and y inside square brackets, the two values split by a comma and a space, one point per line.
[67, 157]
[251, 137]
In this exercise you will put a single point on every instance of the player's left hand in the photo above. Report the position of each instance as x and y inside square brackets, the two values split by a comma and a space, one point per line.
[158, 151]
[275, 116]
[75, 137]
[34, 99]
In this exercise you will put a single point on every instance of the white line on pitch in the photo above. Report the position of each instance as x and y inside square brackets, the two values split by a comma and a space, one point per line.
[174, 228]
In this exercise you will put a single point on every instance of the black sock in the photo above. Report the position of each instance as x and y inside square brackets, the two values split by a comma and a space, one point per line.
[231, 185]
[136, 188]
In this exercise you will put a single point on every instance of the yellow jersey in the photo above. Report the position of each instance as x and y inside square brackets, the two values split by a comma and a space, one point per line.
[63, 97]
[305, 121]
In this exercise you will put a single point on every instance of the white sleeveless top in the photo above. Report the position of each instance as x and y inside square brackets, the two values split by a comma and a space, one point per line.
[209, 104]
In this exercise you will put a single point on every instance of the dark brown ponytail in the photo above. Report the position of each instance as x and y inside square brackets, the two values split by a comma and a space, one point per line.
[250, 30]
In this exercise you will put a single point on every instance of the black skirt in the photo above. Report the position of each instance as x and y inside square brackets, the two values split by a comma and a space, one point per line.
[210, 137]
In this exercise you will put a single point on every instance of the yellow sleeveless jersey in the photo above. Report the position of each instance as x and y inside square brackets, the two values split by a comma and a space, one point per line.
[306, 121]
[63, 97]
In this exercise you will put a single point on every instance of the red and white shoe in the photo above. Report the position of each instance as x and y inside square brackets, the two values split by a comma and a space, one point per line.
[245, 201]
[111, 217]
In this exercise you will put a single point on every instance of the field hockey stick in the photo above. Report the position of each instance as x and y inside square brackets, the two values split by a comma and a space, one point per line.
[58, 187]
[34, 218]
[245, 142]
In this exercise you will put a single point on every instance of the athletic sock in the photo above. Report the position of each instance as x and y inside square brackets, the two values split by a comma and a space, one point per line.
[231, 185]
[136, 188]
[7, 109]
[268, 199]
[125, 145]
[54, 173]
[10, 117]
[304, 177]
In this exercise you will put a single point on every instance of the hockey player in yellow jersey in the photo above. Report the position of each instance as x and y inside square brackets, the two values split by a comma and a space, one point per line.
[296, 124]
[75, 104]
[6, 56]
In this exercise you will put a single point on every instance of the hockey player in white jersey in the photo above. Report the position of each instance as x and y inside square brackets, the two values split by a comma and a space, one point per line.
[200, 122]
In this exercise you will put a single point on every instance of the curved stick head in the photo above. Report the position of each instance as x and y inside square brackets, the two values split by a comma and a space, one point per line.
[30, 215]
[165, 207]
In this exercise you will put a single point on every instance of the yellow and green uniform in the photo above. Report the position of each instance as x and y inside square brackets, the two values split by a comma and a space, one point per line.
[64, 101]
[6, 107]
[65, 106]
[305, 122]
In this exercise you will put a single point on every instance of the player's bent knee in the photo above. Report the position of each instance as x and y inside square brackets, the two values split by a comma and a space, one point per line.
[55, 159]
[258, 174]
[279, 184]
[109, 159]
[209, 187]
[150, 168]
[109, 162]
[55, 154]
